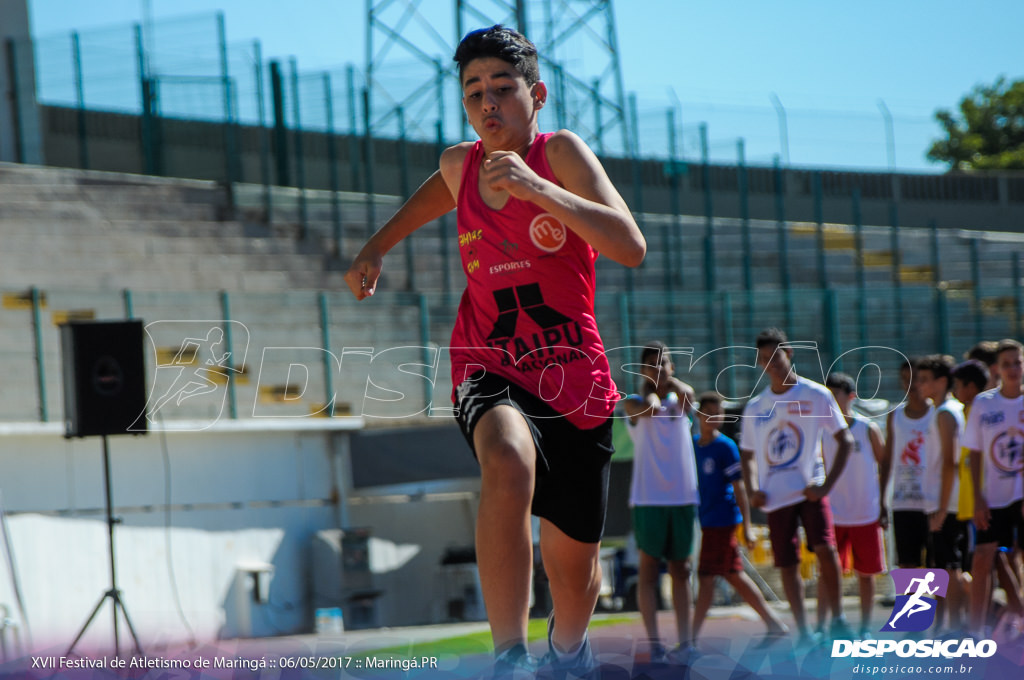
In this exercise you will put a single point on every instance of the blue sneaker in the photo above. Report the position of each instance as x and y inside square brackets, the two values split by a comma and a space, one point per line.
[514, 663]
[577, 665]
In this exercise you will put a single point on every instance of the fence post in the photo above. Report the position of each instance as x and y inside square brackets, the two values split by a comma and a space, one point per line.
[819, 220]
[625, 323]
[368, 161]
[403, 178]
[353, 127]
[225, 308]
[427, 359]
[833, 336]
[942, 318]
[783, 238]
[83, 137]
[443, 226]
[15, 81]
[1018, 302]
[37, 337]
[709, 239]
[862, 302]
[976, 287]
[147, 124]
[936, 263]
[595, 101]
[858, 239]
[325, 341]
[280, 124]
[268, 205]
[230, 143]
[300, 162]
[332, 166]
[744, 195]
[638, 184]
[730, 340]
[897, 284]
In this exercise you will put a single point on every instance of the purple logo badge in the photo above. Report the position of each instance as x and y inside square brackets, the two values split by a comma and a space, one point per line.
[914, 609]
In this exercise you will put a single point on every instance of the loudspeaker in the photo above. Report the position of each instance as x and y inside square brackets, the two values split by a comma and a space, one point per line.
[104, 378]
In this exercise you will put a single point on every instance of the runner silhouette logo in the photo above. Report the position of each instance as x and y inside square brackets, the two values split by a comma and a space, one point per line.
[914, 609]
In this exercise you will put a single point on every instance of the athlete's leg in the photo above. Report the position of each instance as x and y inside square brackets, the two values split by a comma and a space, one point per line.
[574, 575]
[682, 597]
[828, 567]
[647, 592]
[981, 570]
[705, 594]
[866, 586]
[504, 548]
[752, 596]
[793, 586]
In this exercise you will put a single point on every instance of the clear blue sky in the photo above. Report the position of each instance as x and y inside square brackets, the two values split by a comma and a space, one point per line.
[828, 63]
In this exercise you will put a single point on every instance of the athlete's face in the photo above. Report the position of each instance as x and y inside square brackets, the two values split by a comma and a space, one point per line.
[842, 397]
[1011, 367]
[928, 386]
[911, 382]
[657, 369]
[775, 361]
[709, 416]
[964, 391]
[499, 104]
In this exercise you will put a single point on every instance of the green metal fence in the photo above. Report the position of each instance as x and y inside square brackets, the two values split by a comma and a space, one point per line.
[301, 354]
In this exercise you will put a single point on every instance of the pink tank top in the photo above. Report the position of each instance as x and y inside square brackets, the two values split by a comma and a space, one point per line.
[527, 313]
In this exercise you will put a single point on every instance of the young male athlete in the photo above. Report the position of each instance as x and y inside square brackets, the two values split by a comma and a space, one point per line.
[663, 493]
[782, 430]
[533, 390]
[723, 506]
[905, 435]
[942, 493]
[858, 507]
[995, 437]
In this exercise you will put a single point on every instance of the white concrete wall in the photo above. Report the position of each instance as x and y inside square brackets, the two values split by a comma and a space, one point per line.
[197, 505]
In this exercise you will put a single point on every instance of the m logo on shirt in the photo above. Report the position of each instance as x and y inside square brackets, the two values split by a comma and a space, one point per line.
[784, 445]
[547, 233]
[1008, 451]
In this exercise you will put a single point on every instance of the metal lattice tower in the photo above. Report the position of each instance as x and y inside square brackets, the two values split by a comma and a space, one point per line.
[576, 40]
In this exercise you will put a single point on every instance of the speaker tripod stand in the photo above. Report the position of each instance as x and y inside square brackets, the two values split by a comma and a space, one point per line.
[114, 593]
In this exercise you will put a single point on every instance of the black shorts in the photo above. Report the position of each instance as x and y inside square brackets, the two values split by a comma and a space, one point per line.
[1004, 527]
[910, 534]
[949, 544]
[571, 488]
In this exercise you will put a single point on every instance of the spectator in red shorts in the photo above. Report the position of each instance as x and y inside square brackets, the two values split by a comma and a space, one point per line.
[723, 505]
[780, 439]
[858, 505]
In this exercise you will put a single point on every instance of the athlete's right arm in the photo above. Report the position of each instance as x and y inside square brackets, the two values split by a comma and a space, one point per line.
[982, 514]
[434, 198]
[757, 497]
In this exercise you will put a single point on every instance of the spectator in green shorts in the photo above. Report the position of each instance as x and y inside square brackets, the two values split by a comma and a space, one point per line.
[664, 492]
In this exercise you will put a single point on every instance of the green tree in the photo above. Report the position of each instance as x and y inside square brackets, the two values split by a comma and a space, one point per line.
[988, 133]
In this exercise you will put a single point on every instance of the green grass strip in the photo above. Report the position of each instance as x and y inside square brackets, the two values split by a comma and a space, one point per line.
[478, 643]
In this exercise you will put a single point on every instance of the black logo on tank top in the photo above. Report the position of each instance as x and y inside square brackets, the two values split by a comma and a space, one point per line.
[557, 334]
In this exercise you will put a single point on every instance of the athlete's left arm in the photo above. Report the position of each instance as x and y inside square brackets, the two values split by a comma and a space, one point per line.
[586, 202]
[844, 443]
[685, 393]
[878, 447]
[947, 438]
